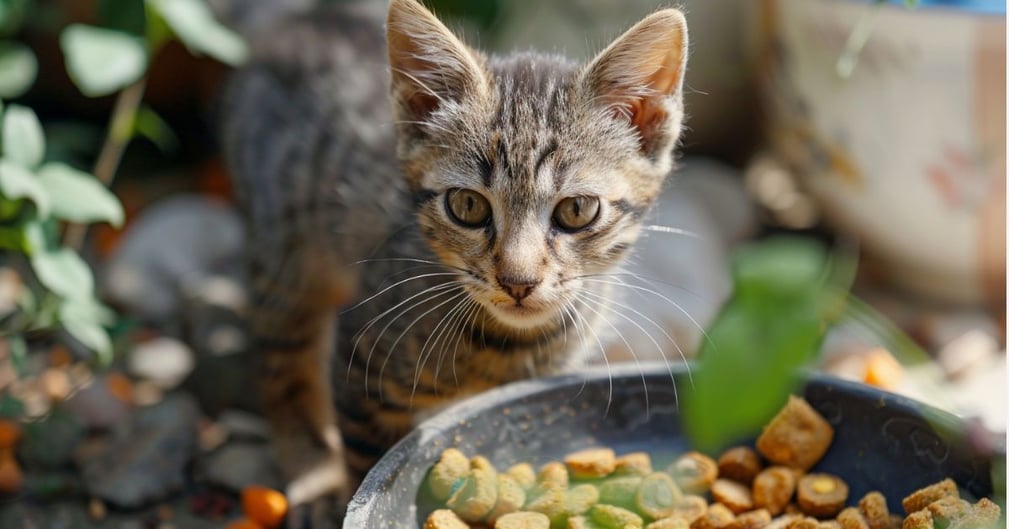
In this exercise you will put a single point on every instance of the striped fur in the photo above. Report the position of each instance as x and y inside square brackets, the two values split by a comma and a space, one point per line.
[368, 294]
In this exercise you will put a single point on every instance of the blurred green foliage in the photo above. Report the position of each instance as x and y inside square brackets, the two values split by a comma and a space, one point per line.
[44, 200]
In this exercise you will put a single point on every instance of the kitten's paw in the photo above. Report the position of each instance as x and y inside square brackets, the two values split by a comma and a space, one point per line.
[319, 496]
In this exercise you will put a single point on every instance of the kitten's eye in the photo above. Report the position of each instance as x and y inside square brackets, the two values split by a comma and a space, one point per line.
[467, 207]
[575, 213]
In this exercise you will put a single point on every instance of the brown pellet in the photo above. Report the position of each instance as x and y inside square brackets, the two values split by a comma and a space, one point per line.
[694, 472]
[873, 508]
[822, 495]
[773, 488]
[797, 436]
[734, 495]
[920, 498]
[740, 463]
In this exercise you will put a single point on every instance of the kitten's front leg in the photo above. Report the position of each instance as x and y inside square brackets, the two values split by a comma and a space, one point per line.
[297, 399]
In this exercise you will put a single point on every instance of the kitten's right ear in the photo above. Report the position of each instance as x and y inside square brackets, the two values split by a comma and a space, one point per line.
[430, 65]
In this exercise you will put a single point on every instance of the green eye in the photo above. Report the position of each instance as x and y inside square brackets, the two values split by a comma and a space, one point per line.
[467, 207]
[575, 213]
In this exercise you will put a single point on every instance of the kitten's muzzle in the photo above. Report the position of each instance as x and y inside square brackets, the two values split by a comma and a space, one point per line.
[518, 288]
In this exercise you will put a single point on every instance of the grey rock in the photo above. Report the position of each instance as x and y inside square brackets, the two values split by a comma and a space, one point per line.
[96, 407]
[237, 465]
[174, 242]
[164, 361]
[144, 459]
[49, 443]
[244, 425]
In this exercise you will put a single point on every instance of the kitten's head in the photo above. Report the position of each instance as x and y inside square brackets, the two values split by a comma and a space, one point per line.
[529, 171]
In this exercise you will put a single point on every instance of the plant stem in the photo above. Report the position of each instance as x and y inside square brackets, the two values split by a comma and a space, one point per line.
[120, 132]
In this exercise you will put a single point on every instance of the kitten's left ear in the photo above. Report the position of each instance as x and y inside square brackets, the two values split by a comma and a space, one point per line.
[640, 78]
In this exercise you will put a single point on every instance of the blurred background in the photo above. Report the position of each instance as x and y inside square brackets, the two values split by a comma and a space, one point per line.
[874, 129]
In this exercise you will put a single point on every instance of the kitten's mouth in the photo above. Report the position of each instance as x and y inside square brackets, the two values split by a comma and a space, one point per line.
[521, 316]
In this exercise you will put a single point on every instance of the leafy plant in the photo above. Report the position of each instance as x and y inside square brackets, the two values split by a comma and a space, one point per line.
[45, 205]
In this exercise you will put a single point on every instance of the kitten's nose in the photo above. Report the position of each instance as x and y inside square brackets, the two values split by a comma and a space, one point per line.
[518, 287]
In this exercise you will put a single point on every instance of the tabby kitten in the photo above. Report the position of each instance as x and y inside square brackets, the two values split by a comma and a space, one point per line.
[404, 255]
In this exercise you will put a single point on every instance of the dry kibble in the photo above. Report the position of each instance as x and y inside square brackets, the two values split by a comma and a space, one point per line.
[591, 463]
[523, 520]
[740, 463]
[553, 474]
[920, 498]
[694, 472]
[985, 513]
[691, 507]
[475, 499]
[633, 464]
[610, 516]
[523, 474]
[734, 495]
[620, 491]
[797, 436]
[804, 523]
[580, 499]
[657, 495]
[783, 521]
[546, 500]
[444, 519]
[773, 488]
[896, 521]
[675, 521]
[918, 520]
[948, 508]
[851, 518]
[757, 519]
[510, 497]
[874, 510]
[452, 467]
[829, 524]
[822, 495]
[717, 517]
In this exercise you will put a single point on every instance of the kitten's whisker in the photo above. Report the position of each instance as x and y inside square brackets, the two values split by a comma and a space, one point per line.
[458, 327]
[669, 368]
[433, 293]
[659, 295]
[657, 228]
[392, 348]
[424, 352]
[599, 313]
[394, 285]
[602, 351]
[406, 260]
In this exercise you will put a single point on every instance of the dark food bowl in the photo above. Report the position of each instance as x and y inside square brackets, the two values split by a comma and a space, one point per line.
[882, 441]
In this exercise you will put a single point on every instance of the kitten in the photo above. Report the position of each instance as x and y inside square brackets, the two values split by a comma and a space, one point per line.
[405, 255]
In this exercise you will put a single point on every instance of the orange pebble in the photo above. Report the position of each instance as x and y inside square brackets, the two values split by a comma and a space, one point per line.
[10, 473]
[265, 506]
[882, 370]
[120, 387]
[243, 523]
[10, 434]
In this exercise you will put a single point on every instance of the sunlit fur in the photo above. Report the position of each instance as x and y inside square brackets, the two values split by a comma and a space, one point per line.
[367, 294]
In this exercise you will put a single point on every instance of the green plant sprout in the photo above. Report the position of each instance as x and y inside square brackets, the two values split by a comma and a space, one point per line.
[45, 204]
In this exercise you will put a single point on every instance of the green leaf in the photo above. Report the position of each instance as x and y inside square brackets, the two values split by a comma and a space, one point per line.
[148, 123]
[102, 61]
[17, 182]
[19, 353]
[12, 14]
[23, 140]
[88, 310]
[18, 68]
[91, 335]
[63, 272]
[78, 196]
[194, 24]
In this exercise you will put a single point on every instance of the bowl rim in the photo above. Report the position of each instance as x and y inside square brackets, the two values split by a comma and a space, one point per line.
[361, 506]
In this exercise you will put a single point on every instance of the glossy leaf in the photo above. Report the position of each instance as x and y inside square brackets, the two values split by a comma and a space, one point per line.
[79, 197]
[149, 124]
[23, 140]
[91, 335]
[17, 182]
[102, 61]
[194, 23]
[63, 272]
[18, 68]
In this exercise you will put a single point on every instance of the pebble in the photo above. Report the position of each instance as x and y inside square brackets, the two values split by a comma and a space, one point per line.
[144, 459]
[235, 466]
[97, 406]
[163, 361]
[244, 425]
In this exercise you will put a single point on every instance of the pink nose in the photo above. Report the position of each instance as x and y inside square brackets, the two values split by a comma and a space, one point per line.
[518, 287]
